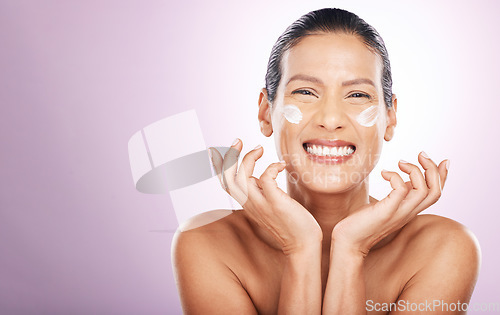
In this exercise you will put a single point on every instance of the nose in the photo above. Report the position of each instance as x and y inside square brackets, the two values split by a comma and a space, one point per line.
[330, 115]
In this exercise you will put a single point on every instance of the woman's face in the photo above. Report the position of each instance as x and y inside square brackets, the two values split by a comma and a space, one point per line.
[328, 117]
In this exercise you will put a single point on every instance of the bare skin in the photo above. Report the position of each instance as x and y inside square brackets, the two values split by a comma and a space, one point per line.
[251, 268]
[326, 247]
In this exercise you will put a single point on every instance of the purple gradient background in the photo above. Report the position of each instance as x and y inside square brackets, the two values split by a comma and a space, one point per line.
[78, 79]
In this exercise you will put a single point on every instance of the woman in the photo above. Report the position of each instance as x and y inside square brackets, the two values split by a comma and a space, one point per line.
[326, 246]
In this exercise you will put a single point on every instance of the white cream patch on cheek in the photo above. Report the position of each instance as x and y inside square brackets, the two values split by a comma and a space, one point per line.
[368, 117]
[292, 113]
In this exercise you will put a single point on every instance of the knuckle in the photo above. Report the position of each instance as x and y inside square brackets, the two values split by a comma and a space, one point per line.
[243, 172]
[245, 160]
[264, 179]
[273, 166]
[436, 194]
[264, 175]
[423, 193]
[413, 167]
[269, 172]
[403, 188]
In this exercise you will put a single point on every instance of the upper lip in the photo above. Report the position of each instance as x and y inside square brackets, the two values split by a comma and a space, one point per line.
[330, 143]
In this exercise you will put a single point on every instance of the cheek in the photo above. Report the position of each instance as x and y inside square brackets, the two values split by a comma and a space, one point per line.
[286, 116]
[369, 116]
[372, 130]
[285, 120]
[373, 123]
[292, 114]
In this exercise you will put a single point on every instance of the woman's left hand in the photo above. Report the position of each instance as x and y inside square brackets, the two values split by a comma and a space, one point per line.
[365, 227]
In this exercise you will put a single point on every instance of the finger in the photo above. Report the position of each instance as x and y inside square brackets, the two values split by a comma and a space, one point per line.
[245, 171]
[248, 164]
[257, 182]
[419, 187]
[255, 194]
[443, 168]
[399, 191]
[431, 170]
[409, 185]
[230, 164]
[268, 179]
[432, 178]
[216, 158]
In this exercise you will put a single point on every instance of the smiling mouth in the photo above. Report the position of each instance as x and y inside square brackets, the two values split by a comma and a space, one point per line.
[334, 151]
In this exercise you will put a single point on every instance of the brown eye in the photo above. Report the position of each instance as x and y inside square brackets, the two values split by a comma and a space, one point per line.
[303, 92]
[358, 95]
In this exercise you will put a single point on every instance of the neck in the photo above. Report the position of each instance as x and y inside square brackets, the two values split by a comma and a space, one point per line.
[330, 208]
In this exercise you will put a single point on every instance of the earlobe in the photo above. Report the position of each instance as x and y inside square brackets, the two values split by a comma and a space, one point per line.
[265, 122]
[391, 119]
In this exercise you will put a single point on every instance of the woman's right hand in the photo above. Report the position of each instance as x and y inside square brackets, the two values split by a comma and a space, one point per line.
[270, 207]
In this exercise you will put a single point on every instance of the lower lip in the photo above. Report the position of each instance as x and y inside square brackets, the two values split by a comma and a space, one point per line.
[329, 159]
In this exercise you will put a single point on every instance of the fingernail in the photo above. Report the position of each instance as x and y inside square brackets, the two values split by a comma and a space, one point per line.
[447, 165]
[283, 162]
[235, 142]
[424, 154]
[384, 170]
[258, 147]
[403, 161]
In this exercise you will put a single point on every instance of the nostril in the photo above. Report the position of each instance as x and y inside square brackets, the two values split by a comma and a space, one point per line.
[325, 126]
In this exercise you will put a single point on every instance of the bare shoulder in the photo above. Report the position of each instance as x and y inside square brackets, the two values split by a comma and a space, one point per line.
[202, 249]
[204, 219]
[216, 234]
[437, 232]
[204, 232]
[196, 240]
[442, 252]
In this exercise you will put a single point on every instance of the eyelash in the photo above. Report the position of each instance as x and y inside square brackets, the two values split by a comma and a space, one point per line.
[307, 92]
[362, 95]
[300, 92]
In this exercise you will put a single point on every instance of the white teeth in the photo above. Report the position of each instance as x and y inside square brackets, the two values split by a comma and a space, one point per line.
[326, 151]
[329, 151]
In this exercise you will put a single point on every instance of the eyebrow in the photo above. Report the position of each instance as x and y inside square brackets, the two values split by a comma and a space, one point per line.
[358, 81]
[304, 77]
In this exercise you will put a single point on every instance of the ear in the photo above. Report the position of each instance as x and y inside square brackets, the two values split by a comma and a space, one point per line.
[391, 119]
[265, 122]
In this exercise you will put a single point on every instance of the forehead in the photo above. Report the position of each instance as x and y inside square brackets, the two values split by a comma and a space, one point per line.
[332, 57]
